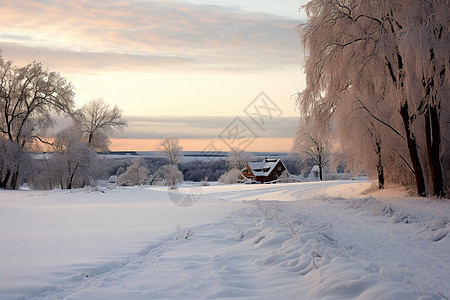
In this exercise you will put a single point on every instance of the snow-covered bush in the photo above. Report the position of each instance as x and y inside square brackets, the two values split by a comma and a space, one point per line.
[136, 174]
[204, 182]
[337, 176]
[285, 177]
[297, 178]
[172, 176]
[230, 177]
[112, 179]
[120, 171]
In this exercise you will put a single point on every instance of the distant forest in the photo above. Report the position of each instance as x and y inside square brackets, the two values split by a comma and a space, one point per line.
[197, 170]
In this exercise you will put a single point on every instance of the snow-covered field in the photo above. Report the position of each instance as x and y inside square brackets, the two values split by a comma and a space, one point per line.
[314, 240]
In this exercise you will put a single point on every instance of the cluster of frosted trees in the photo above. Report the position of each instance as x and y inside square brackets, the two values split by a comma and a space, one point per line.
[377, 76]
[30, 98]
[168, 174]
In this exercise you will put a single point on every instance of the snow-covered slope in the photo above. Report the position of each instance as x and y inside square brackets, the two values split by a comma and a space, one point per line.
[318, 240]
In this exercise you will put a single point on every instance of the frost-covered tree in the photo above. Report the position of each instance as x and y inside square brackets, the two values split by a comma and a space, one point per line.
[424, 45]
[136, 174]
[389, 59]
[170, 147]
[238, 158]
[15, 164]
[312, 142]
[96, 120]
[170, 174]
[29, 97]
[369, 155]
[72, 164]
[285, 177]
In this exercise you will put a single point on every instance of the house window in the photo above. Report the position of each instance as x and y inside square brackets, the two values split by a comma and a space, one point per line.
[279, 168]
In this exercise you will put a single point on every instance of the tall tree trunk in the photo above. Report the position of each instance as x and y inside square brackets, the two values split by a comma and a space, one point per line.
[4, 182]
[13, 184]
[90, 139]
[413, 153]
[9, 182]
[380, 169]
[433, 137]
[320, 168]
[69, 183]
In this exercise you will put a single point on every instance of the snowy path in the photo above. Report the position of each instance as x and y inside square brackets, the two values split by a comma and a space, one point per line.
[312, 244]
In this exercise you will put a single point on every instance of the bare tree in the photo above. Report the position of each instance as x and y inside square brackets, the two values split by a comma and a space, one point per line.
[28, 98]
[170, 148]
[238, 159]
[96, 120]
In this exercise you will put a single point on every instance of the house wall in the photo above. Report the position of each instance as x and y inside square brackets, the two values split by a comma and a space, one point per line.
[272, 176]
[248, 173]
[275, 172]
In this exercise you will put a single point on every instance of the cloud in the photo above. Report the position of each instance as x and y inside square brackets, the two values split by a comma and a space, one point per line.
[200, 127]
[145, 35]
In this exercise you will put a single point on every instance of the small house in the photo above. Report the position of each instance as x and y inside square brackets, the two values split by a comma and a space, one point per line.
[266, 171]
[315, 172]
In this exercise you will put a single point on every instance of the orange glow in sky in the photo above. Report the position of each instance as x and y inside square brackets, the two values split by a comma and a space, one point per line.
[258, 145]
[165, 58]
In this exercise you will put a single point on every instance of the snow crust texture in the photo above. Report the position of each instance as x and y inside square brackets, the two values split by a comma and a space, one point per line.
[290, 241]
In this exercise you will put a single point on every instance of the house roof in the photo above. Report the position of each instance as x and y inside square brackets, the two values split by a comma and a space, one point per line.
[263, 168]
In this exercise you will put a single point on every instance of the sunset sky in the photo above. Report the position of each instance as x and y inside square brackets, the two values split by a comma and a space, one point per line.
[194, 69]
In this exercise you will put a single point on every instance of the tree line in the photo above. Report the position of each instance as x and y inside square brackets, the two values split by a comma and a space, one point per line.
[30, 99]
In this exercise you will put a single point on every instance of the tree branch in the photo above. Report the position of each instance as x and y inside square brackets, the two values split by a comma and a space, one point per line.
[404, 160]
[43, 141]
[379, 120]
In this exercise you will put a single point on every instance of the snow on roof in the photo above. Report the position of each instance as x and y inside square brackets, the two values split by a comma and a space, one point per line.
[263, 168]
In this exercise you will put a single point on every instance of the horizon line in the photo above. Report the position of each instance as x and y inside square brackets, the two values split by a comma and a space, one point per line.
[282, 145]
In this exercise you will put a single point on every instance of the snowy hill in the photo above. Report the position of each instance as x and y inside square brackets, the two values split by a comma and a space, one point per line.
[311, 240]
